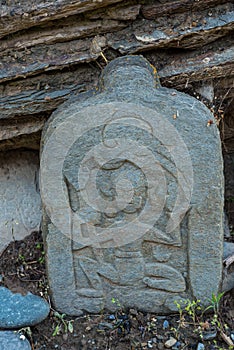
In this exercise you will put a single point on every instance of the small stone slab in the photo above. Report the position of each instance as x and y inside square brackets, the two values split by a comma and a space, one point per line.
[11, 341]
[19, 311]
[20, 205]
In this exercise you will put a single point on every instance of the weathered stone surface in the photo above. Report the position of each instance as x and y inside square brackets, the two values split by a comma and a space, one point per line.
[27, 141]
[20, 207]
[44, 93]
[228, 249]
[21, 310]
[229, 184]
[146, 34]
[188, 68]
[227, 136]
[44, 49]
[13, 128]
[21, 16]
[142, 36]
[11, 341]
[21, 132]
[228, 272]
[132, 190]
[29, 98]
[227, 132]
[40, 68]
[152, 11]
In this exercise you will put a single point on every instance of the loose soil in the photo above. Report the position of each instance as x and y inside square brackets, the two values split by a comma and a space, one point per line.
[22, 269]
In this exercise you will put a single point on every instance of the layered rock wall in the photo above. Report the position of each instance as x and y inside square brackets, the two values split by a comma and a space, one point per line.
[51, 50]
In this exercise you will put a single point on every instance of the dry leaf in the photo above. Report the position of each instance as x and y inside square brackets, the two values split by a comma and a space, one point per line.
[227, 339]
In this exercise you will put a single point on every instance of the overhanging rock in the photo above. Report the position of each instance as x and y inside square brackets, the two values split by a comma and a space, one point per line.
[132, 192]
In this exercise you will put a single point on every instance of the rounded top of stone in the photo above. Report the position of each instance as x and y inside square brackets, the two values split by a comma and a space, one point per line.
[130, 70]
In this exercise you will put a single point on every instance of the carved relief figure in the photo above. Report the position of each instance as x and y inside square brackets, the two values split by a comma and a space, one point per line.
[128, 212]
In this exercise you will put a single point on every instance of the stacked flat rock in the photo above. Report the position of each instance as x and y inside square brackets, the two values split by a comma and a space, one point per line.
[20, 311]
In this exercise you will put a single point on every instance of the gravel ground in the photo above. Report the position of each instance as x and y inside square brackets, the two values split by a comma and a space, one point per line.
[22, 269]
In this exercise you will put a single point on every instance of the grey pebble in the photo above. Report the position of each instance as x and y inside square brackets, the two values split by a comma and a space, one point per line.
[165, 324]
[176, 346]
[105, 325]
[210, 335]
[232, 336]
[21, 310]
[10, 340]
[160, 346]
[150, 344]
[111, 317]
[200, 346]
[159, 337]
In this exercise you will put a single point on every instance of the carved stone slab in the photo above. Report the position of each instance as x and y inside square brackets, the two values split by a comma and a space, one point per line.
[132, 191]
[20, 205]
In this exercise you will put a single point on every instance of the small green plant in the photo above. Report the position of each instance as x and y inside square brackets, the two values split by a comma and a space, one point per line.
[194, 310]
[21, 258]
[152, 326]
[180, 310]
[61, 325]
[41, 259]
[39, 246]
[214, 303]
[191, 308]
[216, 322]
[116, 301]
[182, 323]
[176, 332]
